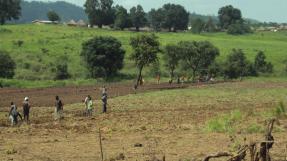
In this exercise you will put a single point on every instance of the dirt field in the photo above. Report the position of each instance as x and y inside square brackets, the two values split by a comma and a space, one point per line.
[167, 123]
[44, 97]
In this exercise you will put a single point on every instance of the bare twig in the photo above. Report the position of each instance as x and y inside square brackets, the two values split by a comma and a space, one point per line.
[101, 146]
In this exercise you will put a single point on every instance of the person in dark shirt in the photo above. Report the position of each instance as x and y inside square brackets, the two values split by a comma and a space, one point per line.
[59, 108]
[104, 99]
[14, 114]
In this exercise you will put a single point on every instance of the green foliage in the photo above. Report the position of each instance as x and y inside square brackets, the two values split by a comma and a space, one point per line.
[197, 26]
[224, 123]
[261, 65]
[254, 128]
[280, 110]
[104, 56]
[238, 28]
[155, 69]
[176, 17]
[138, 17]
[53, 16]
[7, 65]
[237, 65]
[171, 58]
[198, 56]
[145, 50]
[156, 18]
[62, 72]
[9, 9]
[228, 15]
[210, 25]
[100, 12]
[122, 18]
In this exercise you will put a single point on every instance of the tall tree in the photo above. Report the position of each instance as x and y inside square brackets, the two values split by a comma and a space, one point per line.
[145, 50]
[100, 12]
[122, 17]
[7, 65]
[103, 55]
[171, 58]
[138, 17]
[197, 26]
[228, 15]
[9, 9]
[176, 17]
[156, 18]
[53, 16]
[198, 55]
[209, 25]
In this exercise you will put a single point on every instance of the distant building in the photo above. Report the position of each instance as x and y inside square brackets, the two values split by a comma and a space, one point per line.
[44, 22]
[81, 23]
[72, 23]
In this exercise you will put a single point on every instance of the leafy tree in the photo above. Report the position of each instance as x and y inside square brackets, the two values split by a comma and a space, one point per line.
[138, 17]
[261, 65]
[210, 26]
[176, 17]
[53, 16]
[198, 55]
[122, 17]
[100, 12]
[145, 49]
[62, 72]
[103, 55]
[156, 18]
[197, 26]
[237, 65]
[228, 15]
[238, 28]
[171, 58]
[9, 9]
[7, 65]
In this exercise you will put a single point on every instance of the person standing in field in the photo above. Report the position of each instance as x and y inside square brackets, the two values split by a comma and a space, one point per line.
[104, 99]
[59, 108]
[14, 114]
[90, 106]
[158, 78]
[26, 109]
[86, 105]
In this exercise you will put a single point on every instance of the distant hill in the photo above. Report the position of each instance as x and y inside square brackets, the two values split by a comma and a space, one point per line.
[38, 10]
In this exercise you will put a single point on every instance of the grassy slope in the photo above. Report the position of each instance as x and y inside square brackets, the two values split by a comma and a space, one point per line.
[66, 42]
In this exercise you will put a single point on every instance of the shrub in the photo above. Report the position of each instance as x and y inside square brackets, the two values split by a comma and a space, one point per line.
[280, 110]
[62, 72]
[261, 65]
[238, 28]
[104, 56]
[7, 65]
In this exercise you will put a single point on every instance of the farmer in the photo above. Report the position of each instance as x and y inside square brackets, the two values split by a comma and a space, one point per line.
[158, 78]
[26, 109]
[104, 99]
[86, 105]
[90, 106]
[13, 114]
[59, 108]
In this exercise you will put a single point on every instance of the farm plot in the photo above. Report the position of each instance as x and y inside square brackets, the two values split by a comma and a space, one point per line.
[181, 124]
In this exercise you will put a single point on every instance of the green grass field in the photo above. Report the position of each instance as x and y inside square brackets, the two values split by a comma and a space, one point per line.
[64, 43]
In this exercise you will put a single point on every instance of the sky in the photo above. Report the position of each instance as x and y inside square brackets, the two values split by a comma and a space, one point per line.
[262, 10]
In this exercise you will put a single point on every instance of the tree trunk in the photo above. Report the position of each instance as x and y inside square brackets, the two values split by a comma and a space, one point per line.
[171, 76]
[193, 75]
[137, 29]
[139, 76]
[2, 21]
[100, 26]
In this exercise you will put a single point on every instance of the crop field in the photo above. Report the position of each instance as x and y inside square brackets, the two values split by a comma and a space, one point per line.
[180, 124]
[43, 46]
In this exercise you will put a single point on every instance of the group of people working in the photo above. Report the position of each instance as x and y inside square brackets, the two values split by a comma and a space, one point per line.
[59, 107]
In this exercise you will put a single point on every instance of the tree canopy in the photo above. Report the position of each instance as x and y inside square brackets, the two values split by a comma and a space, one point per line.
[9, 9]
[171, 58]
[122, 19]
[104, 56]
[7, 65]
[138, 17]
[145, 50]
[53, 16]
[100, 12]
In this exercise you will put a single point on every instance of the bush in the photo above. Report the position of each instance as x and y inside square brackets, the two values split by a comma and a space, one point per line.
[237, 65]
[280, 110]
[261, 65]
[7, 65]
[103, 55]
[62, 72]
[238, 28]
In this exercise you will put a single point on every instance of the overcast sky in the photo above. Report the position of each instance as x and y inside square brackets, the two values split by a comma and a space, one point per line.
[263, 10]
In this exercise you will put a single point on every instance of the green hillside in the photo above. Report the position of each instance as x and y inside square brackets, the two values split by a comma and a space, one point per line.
[46, 45]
